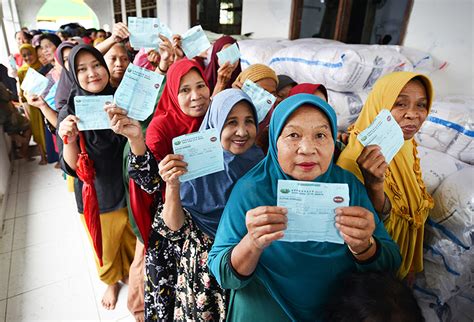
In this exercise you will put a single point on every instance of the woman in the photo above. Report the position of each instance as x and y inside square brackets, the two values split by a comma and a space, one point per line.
[66, 80]
[49, 43]
[192, 210]
[35, 116]
[117, 60]
[181, 109]
[396, 190]
[222, 76]
[281, 281]
[105, 149]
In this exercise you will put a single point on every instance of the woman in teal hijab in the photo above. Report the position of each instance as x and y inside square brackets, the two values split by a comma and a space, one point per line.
[273, 280]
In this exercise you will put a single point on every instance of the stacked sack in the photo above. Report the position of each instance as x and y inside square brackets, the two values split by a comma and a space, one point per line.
[445, 289]
[347, 71]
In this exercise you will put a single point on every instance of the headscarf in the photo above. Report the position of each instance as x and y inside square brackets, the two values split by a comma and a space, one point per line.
[24, 68]
[257, 72]
[298, 275]
[170, 121]
[308, 88]
[206, 197]
[66, 80]
[283, 81]
[99, 168]
[403, 183]
[213, 67]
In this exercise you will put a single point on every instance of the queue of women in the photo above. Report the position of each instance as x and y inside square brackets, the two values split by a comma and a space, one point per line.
[210, 248]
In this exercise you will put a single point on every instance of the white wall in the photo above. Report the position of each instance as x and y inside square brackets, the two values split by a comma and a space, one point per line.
[175, 13]
[444, 28]
[266, 18]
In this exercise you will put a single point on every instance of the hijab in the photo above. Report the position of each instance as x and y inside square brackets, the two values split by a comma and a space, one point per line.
[206, 197]
[169, 120]
[24, 68]
[213, 67]
[308, 88]
[403, 183]
[297, 275]
[66, 80]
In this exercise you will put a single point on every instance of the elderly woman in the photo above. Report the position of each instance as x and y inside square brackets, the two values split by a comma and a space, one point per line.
[396, 190]
[271, 280]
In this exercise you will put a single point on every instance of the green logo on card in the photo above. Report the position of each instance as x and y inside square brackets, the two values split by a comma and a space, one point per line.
[177, 143]
[285, 190]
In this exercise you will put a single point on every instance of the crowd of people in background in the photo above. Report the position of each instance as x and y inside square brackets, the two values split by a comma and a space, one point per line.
[209, 248]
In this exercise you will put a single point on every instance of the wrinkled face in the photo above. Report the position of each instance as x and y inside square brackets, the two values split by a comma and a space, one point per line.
[193, 94]
[28, 56]
[21, 39]
[66, 52]
[48, 50]
[92, 76]
[283, 93]
[305, 145]
[411, 108]
[268, 84]
[117, 62]
[239, 131]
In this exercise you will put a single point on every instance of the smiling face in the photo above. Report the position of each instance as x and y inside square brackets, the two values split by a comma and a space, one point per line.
[193, 94]
[305, 145]
[411, 108]
[92, 76]
[28, 57]
[21, 38]
[239, 131]
[117, 62]
[48, 50]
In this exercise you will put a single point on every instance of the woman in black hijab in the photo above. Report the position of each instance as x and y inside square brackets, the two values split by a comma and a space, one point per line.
[94, 157]
[66, 80]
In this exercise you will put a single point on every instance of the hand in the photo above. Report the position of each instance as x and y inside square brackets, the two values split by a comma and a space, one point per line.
[68, 128]
[166, 51]
[343, 137]
[266, 224]
[178, 51]
[120, 32]
[237, 84]
[171, 168]
[356, 225]
[153, 57]
[35, 100]
[224, 73]
[372, 165]
[122, 124]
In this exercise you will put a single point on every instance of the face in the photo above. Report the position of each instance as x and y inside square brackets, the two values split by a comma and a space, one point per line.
[100, 34]
[92, 76]
[411, 108]
[28, 56]
[41, 57]
[21, 39]
[305, 146]
[48, 50]
[193, 94]
[239, 131]
[283, 93]
[117, 62]
[61, 36]
[268, 84]
[66, 52]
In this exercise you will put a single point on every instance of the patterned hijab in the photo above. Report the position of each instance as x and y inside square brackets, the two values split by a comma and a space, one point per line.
[403, 184]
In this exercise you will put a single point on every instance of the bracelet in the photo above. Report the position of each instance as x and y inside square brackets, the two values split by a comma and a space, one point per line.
[162, 71]
[371, 243]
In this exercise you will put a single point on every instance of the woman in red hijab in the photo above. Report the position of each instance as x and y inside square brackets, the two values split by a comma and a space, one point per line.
[181, 109]
[218, 76]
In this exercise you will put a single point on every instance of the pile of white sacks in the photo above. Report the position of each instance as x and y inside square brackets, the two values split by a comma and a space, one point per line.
[445, 289]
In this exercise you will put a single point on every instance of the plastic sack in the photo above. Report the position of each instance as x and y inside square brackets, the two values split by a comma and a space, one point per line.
[454, 206]
[344, 68]
[347, 106]
[259, 51]
[437, 166]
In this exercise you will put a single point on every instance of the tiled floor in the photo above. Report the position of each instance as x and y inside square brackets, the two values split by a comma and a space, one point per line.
[47, 271]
